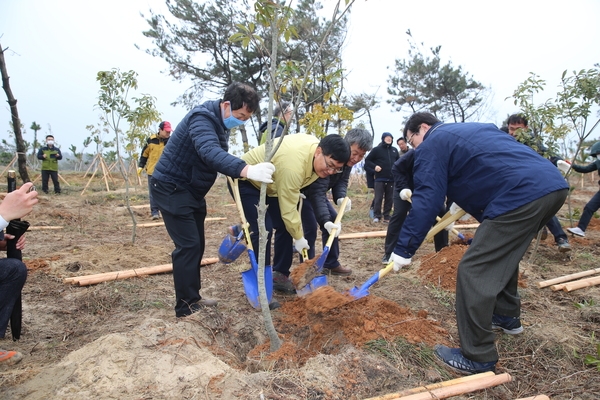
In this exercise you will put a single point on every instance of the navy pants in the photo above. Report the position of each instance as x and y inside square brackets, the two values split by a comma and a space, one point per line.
[588, 211]
[384, 191]
[556, 229]
[310, 227]
[50, 174]
[153, 205]
[13, 274]
[184, 217]
[283, 251]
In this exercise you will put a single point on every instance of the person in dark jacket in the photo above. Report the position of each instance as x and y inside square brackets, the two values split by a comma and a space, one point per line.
[479, 168]
[185, 172]
[282, 116]
[50, 155]
[318, 211]
[151, 152]
[594, 204]
[518, 128]
[381, 159]
[402, 171]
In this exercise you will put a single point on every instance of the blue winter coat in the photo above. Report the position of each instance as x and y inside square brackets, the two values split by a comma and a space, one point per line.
[197, 151]
[482, 169]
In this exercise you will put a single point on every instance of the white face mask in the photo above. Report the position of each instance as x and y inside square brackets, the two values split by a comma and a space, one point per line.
[598, 156]
[50, 142]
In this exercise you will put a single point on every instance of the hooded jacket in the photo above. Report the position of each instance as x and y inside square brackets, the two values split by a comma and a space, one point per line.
[197, 151]
[151, 152]
[384, 155]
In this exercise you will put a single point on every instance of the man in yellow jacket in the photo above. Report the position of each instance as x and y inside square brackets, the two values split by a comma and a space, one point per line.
[151, 152]
[299, 161]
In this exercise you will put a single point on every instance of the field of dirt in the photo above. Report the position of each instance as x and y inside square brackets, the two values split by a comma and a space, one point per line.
[120, 339]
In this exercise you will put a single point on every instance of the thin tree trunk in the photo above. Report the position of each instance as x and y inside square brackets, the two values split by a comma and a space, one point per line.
[21, 156]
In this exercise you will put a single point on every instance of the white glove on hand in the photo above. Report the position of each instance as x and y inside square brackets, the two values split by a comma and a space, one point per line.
[454, 208]
[400, 262]
[330, 226]
[261, 172]
[300, 244]
[348, 204]
[563, 165]
[302, 196]
[449, 227]
[406, 194]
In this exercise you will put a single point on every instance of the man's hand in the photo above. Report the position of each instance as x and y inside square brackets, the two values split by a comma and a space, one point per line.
[300, 244]
[377, 168]
[406, 194]
[449, 227]
[261, 172]
[348, 204]
[400, 262]
[20, 243]
[139, 171]
[563, 165]
[331, 226]
[18, 203]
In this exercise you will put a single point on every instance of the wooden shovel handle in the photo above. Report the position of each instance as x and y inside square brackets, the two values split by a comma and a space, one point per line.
[341, 211]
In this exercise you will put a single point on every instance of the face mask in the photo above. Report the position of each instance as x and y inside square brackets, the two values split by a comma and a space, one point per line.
[231, 121]
[598, 156]
[50, 142]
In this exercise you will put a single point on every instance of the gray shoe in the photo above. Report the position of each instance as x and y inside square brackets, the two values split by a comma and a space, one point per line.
[282, 283]
[563, 245]
[576, 231]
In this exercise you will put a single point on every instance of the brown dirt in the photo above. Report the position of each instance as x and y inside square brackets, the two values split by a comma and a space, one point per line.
[121, 339]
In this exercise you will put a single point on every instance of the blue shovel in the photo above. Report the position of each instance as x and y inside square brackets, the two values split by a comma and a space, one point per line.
[250, 276]
[363, 290]
[313, 275]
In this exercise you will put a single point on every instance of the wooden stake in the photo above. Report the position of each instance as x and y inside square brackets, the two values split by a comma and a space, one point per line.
[150, 224]
[570, 286]
[43, 228]
[566, 278]
[536, 397]
[86, 280]
[420, 389]
[482, 382]
[362, 235]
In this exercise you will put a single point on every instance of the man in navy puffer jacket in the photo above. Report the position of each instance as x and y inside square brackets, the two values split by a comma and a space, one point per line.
[186, 171]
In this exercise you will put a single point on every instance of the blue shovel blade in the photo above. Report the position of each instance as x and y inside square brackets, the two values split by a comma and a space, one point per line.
[314, 284]
[250, 282]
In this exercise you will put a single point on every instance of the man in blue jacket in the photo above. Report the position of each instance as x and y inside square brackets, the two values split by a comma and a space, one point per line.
[381, 159]
[479, 167]
[186, 171]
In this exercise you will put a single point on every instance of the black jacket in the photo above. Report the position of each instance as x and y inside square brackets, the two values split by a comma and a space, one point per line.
[384, 155]
[403, 171]
[316, 193]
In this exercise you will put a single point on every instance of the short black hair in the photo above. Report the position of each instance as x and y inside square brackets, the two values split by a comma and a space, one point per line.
[517, 119]
[361, 137]
[336, 147]
[49, 136]
[401, 138]
[417, 119]
[240, 95]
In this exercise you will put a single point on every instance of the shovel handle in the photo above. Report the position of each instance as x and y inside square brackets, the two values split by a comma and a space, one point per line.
[337, 221]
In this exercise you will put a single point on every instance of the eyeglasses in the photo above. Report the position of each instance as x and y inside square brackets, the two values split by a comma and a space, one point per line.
[330, 166]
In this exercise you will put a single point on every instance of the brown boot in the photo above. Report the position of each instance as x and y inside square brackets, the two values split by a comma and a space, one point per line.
[339, 270]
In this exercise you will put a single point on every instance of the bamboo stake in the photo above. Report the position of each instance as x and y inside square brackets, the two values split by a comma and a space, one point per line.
[117, 275]
[570, 286]
[420, 389]
[150, 224]
[43, 228]
[566, 278]
[444, 222]
[362, 235]
[483, 382]
[536, 397]
[466, 226]
[64, 180]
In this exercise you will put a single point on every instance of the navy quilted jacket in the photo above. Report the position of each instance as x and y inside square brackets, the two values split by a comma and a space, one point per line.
[197, 151]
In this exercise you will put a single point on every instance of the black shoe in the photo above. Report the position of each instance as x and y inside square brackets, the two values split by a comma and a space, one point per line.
[510, 325]
[282, 283]
[274, 304]
[544, 233]
[197, 307]
[386, 258]
[453, 358]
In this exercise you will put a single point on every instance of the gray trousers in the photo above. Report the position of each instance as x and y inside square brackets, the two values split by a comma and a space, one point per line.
[487, 276]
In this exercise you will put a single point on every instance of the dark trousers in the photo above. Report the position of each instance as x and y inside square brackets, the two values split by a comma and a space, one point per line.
[310, 227]
[401, 209]
[488, 273]
[50, 174]
[556, 229]
[184, 217]
[153, 205]
[384, 191]
[588, 211]
[283, 251]
[13, 274]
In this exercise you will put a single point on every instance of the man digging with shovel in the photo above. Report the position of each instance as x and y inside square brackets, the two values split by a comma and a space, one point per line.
[479, 168]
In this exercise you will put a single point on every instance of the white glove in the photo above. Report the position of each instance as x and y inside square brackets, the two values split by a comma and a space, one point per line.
[330, 226]
[302, 196]
[300, 244]
[261, 172]
[454, 208]
[406, 194]
[400, 262]
[348, 204]
[449, 227]
[563, 165]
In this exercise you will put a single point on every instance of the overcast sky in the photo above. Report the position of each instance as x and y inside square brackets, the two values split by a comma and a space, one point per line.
[57, 47]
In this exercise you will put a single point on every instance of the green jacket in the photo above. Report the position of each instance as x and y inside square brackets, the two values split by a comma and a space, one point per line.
[293, 171]
[50, 163]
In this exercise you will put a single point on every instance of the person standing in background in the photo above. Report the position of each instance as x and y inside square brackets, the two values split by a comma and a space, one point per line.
[381, 159]
[50, 155]
[150, 155]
